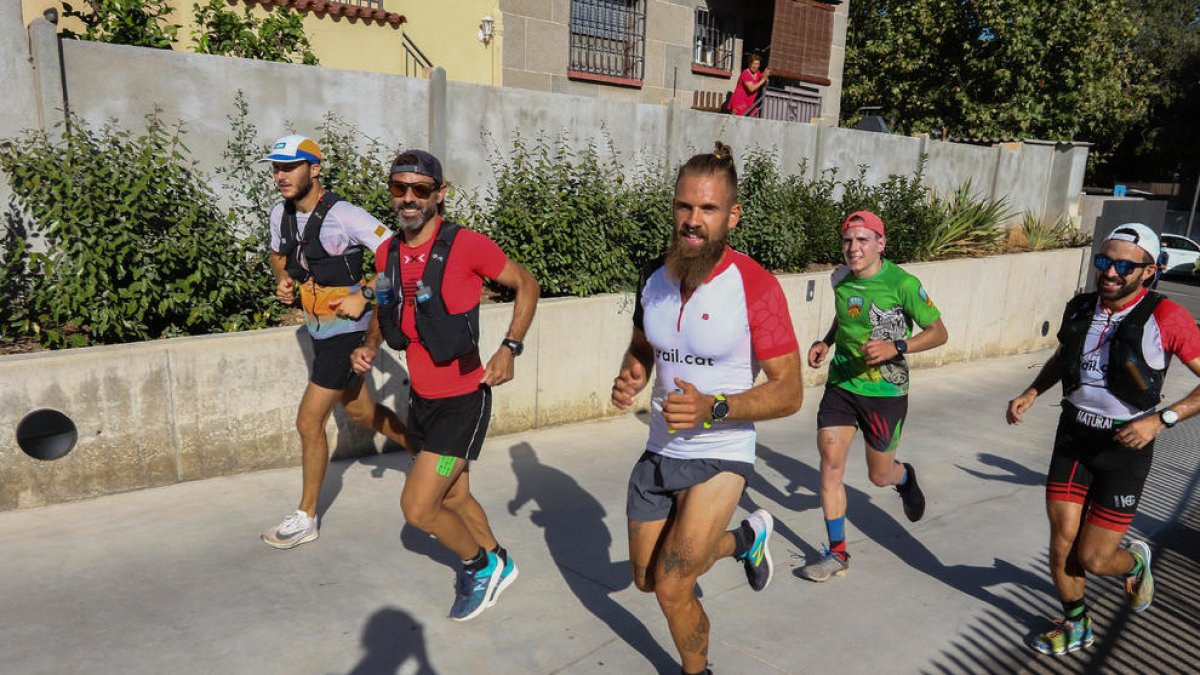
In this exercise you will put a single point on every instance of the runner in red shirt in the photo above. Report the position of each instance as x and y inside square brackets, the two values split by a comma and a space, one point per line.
[450, 403]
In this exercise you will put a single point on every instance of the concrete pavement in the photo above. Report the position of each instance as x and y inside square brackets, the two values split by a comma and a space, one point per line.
[175, 579]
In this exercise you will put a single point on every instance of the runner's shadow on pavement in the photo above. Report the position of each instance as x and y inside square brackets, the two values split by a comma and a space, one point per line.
[786, 498]
[391, 639]
[884, 529]
[580, 544]
[1012, 471]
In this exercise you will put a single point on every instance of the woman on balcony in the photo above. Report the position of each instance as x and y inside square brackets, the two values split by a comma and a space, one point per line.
[746, 92]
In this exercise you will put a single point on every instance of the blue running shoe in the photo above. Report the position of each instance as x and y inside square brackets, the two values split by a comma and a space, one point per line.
[757, 560]
[508, 574]
[472, 589]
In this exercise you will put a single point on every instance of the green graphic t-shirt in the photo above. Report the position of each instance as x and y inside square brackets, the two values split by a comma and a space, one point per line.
[883, 306]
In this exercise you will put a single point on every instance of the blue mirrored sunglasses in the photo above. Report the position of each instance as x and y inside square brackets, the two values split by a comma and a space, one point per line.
[1123, 267]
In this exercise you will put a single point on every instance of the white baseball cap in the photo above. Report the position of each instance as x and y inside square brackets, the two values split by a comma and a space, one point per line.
[295, 148]
[1137, 233]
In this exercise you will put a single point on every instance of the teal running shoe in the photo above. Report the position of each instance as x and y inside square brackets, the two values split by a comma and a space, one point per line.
[508, 574]
[472, 589]
[1065, 637]
[1139, 590]
[757, 560]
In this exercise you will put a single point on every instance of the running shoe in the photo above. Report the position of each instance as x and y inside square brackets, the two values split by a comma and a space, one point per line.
[472, 589]
[830, 565]
[911, 495]
[1065, 637]
[1139, 590]
[757, 560]
[297, 528]
[508, 574]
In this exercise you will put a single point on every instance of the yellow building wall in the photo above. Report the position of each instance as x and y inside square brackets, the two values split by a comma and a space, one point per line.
[450, 39]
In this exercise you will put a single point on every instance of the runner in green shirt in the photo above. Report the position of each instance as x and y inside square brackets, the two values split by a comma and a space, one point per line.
[877, 304]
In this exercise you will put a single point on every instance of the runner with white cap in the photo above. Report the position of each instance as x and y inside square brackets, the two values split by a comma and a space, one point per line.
[1115, 345]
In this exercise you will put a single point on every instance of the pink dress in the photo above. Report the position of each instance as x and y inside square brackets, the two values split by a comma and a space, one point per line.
[742, 98]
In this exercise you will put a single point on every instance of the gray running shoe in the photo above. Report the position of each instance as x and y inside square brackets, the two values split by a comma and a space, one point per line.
[830, 565]
[297, 528]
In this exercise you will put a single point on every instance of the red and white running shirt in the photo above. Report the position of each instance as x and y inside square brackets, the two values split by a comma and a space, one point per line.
[735, 319]
[1169, 330]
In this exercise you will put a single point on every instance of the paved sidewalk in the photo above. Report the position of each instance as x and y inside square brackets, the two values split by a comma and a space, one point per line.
[175, 580]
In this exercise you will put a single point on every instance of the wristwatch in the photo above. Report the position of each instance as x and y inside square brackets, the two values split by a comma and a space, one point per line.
[720, 408]
[901, 346]
[516, 347]
[1169, 417]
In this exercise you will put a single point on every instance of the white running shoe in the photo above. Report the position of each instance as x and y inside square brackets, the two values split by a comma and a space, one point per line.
[297, 528]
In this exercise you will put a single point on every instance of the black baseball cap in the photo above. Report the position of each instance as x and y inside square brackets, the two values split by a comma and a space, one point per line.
[418, 161]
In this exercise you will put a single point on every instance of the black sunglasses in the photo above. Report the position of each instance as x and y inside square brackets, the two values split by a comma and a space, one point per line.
[1123, 267]
[420, 190]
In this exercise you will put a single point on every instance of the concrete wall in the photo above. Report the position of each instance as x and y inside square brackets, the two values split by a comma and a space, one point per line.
[162, 412]
[102, 82]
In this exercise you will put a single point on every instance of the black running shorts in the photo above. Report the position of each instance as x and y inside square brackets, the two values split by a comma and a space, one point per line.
[331, 360]
[453, 426]
[1088, 467]
[655, 480]
[881, 418]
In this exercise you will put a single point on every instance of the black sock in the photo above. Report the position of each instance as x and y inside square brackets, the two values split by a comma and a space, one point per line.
[706, 671]
[477, 563]
[501, 553]
[1075, 610]
[743, 539]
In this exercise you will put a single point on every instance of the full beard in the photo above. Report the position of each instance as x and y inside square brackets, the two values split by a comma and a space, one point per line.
[413, 223]
[1124, 290]
[691, 265]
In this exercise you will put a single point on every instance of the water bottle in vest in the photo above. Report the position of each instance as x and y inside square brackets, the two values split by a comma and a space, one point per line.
[384, 293]
[424, 293]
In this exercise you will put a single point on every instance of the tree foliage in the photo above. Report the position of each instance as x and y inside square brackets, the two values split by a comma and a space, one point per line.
[1063, 70]
[140, 23]
[279, 36]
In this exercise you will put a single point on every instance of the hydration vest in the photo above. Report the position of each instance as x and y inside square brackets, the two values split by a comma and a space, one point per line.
[444, 335]
[1129, 377]
[325, 269]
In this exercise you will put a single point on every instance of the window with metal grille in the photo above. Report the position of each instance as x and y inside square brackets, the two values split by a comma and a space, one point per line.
[713, 44]
[377, 4]
[608, 40]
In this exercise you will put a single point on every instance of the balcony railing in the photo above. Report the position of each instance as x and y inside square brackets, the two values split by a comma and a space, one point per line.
[791, 104]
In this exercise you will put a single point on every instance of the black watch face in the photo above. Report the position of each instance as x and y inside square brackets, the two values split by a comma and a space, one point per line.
[515, 346]
[721, 410]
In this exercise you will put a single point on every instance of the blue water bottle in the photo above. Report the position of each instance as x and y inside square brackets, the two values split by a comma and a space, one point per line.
[385, 294]
[424, 293]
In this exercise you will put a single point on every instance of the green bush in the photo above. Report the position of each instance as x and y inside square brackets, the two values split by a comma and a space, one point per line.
[278, 37]
[560, 213]
[137, 247]
[141, 23]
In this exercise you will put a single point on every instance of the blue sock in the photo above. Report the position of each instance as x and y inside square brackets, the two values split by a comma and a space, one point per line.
[904, 478]
[836, 529]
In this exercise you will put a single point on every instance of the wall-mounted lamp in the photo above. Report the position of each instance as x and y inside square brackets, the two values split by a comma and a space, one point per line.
[51, 15]
[487, 28]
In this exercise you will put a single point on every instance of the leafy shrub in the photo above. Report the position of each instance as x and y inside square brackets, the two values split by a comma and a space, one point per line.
[559, 213]
[141, 23]
[137, 246]
[278, 37]
[966, 225]
[356, 166]
[770, 230]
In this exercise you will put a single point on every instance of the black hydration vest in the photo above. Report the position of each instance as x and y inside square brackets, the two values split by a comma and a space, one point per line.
[325, 269]
[444, 335]
[1129, 377]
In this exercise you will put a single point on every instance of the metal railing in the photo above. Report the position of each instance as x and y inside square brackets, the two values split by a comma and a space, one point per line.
[377, 4]
[791, 104]
[713, 44]
[416, 64]
[608, 37]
